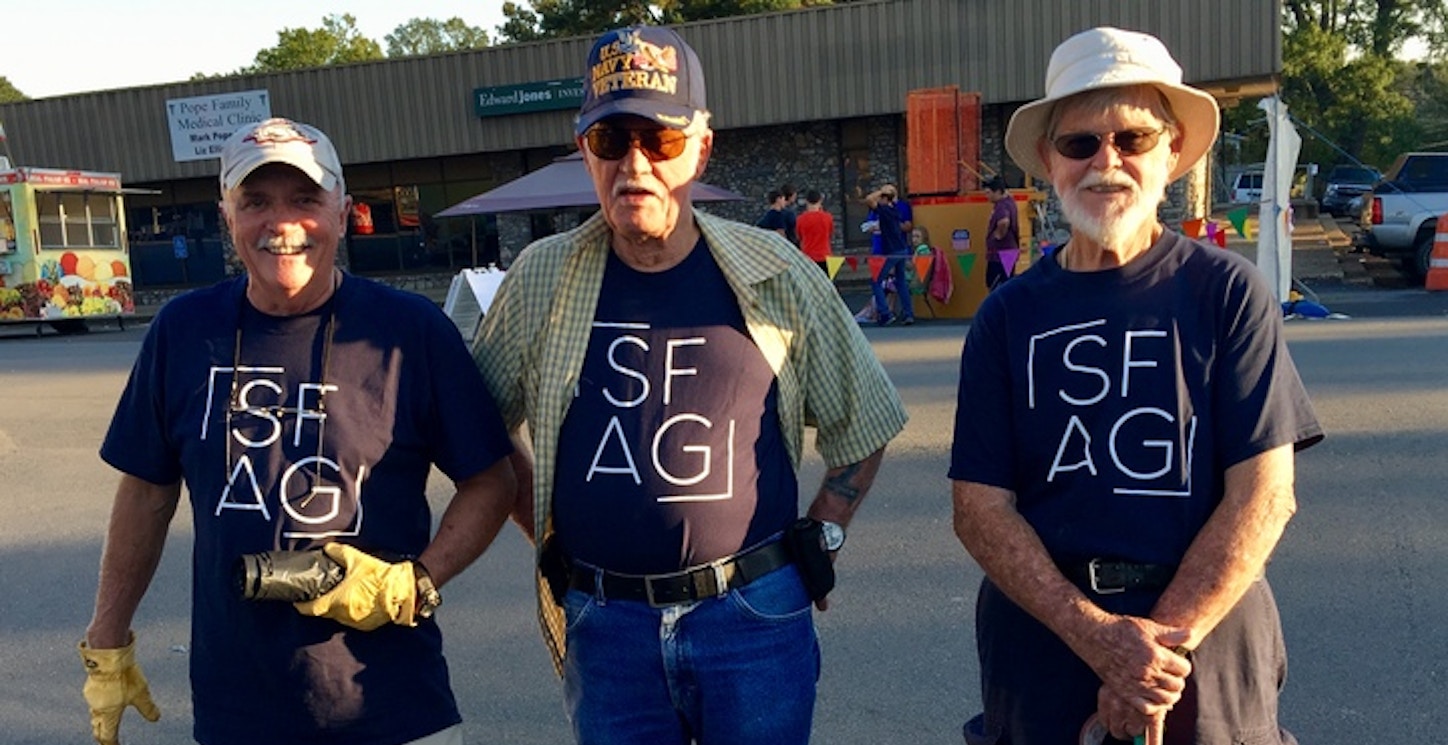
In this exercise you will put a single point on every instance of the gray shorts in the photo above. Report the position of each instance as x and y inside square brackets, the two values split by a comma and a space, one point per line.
[1038, 692]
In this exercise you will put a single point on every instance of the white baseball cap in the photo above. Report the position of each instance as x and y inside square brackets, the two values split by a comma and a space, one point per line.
[1108, 57]
[301, 146]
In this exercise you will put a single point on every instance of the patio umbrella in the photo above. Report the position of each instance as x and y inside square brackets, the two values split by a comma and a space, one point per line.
[562, 183]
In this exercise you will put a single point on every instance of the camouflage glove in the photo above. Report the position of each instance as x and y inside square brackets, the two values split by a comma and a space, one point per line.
[114, 681]
[371, 594]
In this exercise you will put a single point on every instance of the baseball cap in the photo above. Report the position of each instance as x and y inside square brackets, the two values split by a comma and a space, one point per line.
[301, 146]
[645, 71]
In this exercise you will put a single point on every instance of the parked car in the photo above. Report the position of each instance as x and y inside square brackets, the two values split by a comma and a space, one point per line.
[1247, 189]
[1401, 217]
[1344, 183]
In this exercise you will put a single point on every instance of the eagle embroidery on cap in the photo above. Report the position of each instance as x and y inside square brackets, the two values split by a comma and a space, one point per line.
[278, 133]
[630, 63]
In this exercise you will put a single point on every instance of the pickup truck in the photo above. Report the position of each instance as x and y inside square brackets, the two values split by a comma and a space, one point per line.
[1401, 215]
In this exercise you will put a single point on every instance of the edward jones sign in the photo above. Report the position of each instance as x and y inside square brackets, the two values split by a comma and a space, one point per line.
[522, 98]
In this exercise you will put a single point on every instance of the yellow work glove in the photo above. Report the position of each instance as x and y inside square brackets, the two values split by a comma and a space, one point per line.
[371, 594]
[114, 681]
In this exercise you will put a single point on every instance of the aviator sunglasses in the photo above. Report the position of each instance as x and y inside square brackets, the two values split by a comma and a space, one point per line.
[1083, 145]
[613, 143]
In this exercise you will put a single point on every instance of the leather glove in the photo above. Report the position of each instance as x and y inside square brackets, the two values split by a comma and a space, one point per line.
[114, 681]
[371, 594]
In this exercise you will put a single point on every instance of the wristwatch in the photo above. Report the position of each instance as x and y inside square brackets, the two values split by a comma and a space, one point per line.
[428, 598]
[833, 535]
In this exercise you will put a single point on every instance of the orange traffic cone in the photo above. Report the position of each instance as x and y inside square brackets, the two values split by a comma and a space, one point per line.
[1438, 261]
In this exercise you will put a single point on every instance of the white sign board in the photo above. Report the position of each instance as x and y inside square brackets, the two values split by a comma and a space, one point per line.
[470, 296]
[200, 125]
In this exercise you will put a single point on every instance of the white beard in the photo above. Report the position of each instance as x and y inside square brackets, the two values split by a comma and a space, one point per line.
[1115, 224]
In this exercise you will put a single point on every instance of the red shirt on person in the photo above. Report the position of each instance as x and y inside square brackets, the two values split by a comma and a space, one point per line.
[816, 228]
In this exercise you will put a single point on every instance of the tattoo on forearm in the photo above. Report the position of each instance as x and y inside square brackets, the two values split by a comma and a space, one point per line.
[842, 483]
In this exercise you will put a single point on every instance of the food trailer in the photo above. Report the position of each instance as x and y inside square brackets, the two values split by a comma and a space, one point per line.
[63, 252]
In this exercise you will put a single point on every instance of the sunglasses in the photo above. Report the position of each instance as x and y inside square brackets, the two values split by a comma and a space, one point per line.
[1083, 145]
[613, 143]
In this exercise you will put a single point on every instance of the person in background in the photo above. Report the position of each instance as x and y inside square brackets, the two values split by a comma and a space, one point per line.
[1125, 430]
[773, 217]
[303, 409]
[788, 213]
[816, 229]
[665, 363]
[1004, 233]
[894, 244]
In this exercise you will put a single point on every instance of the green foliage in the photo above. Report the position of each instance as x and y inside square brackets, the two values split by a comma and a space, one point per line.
[1343, 79]
[431, 36]
[9, 93]
[337, 42]
[548, 19]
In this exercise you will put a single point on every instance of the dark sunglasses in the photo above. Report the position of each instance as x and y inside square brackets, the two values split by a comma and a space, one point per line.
[1083, 145]
[612, 143]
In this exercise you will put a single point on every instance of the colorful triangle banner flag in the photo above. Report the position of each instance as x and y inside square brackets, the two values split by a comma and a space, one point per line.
[832, 265]
[1221, 239]
[1239, 220]
[876, 264]
[1009, 257]
[1211, 231]
[1192, 228]
[853, 262]
[967, 263]
[922, 269]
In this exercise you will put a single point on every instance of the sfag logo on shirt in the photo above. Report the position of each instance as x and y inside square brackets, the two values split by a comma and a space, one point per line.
[630, 63]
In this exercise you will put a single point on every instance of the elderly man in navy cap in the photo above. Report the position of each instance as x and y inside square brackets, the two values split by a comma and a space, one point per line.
[666, 363]
[1124, 438]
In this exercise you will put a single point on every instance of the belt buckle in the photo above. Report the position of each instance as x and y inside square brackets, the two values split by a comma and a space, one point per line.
[1091, 569]
[721, 586]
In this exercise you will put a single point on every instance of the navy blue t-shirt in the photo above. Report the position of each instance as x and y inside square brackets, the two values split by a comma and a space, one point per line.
[893, 241]
[305, 442]
[671, 454]
[1113, 402]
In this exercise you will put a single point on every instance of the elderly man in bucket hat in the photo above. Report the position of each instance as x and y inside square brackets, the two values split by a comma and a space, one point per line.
[666, 363]
[1127, 418]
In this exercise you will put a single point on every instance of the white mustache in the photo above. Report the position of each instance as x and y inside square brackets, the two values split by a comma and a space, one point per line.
[1097, 178]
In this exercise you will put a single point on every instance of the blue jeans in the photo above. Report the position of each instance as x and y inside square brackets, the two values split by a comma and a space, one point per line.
[736, 670]
[899, 266]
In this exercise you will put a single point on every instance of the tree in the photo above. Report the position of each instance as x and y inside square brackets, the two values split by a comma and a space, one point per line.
[1344, 82]
[548, 19]
[337, 42]
[9, 93]
[430, 36]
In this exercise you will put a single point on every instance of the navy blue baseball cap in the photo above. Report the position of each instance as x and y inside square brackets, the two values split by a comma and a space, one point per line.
[645, 71]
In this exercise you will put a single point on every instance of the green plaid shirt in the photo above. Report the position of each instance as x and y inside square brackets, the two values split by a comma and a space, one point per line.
[531, 346]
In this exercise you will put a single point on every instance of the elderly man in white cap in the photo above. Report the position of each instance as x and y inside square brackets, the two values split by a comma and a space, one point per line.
[1123, 456]
[303, 409]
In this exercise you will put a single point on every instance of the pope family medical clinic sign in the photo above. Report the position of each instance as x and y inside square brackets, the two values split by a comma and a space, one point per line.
[201, 125]
[523, 98]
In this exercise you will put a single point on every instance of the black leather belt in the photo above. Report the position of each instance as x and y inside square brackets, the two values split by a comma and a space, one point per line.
[711, 580]
[1106, 577]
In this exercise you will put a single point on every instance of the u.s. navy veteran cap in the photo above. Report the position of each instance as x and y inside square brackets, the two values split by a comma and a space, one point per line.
[645, 71]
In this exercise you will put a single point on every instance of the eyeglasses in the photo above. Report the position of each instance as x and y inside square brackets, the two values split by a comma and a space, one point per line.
[613, 143]
[1083, 145]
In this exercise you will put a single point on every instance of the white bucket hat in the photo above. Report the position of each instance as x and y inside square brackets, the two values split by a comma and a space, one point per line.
[1111, 58]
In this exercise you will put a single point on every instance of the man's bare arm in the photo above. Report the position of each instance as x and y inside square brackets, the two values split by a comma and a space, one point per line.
[1232, 549]
[140, 517]
[471, 522]
[1127, 653]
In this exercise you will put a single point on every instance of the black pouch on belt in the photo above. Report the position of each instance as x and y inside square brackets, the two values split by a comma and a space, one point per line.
[556, 568]
[807, 547]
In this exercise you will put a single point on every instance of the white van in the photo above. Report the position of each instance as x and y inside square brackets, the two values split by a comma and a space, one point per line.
[1248, 188]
